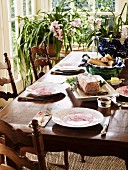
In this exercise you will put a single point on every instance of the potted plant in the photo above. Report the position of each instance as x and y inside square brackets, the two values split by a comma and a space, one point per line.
[125, 26]
[60, 27]
[106, 34]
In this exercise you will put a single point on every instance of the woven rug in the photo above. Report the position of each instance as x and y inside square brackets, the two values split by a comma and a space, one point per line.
[91, 163]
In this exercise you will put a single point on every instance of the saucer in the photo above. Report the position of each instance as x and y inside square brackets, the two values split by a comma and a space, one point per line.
[115, 83]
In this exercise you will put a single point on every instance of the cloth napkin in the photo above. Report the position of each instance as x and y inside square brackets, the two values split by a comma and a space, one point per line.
[43, 117]
[67, 72]
[85, 57]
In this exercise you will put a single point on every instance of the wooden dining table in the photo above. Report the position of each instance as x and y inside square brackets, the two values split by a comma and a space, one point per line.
[85, 141]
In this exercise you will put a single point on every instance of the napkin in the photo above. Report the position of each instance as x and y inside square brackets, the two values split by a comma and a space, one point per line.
[42, 98]
[85, 57]
[67, 71]
[43, 117]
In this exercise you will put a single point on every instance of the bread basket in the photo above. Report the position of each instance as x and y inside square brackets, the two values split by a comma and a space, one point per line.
[105, 71]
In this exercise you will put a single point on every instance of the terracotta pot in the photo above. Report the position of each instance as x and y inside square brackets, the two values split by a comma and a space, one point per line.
[51, 49]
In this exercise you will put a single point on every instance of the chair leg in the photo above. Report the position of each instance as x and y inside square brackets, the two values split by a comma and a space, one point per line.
[82, 158]
[66, 160]
[2, 140]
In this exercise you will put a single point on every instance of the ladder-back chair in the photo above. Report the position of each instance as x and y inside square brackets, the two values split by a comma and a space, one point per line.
[15, 140]
[7, 80]
[39, 61]
[22, 143]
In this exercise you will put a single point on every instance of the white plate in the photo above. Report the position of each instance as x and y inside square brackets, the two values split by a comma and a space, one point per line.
[79, 94]
[123, 91]
[69, 65]
[43, 88]
[77, 117]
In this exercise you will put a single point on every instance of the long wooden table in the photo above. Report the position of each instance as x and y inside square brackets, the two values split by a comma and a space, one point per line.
[85, 141]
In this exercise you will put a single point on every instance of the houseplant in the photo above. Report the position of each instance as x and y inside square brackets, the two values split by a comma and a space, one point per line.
[60, 26]
[125, 25]
[106, 34]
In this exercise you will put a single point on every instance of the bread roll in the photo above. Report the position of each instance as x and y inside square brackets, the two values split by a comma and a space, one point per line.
[110, 62]
[108, 56]
[96, 62]
[104, 60]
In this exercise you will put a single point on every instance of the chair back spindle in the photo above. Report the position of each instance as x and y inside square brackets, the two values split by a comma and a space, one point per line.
[10, 80]
[39, 144]
[39, 63]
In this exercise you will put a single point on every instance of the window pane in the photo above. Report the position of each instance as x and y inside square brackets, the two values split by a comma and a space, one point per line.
[61, 2]
[83, 4]
[100, 5]
[14, 29]
[12, 8]
[30, 7]
[15, 68]
[13, 33]
[13, 37]
[105, 5]
[24, 7]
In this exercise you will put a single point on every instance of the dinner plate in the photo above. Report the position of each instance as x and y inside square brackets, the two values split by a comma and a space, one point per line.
[79, 94]
[77, 117]
[71, 70]
[123, 91]
[68, 65]
[45, 88]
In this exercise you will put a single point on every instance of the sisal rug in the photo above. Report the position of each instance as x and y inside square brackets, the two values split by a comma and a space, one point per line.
[91, 163]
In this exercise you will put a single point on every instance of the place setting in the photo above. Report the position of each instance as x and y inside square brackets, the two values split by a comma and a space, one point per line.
[68, 71]
[122, 99]
[47, 92]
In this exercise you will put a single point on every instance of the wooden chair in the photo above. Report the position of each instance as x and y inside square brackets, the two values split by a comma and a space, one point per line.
[15, 158]
[9, 80]
[15, 140]
[39, 60]
[32, 143]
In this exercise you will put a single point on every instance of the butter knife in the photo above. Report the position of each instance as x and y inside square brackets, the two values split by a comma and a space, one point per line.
[114, 100]
[105, 126]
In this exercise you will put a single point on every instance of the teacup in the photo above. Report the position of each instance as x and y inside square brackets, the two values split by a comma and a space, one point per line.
[104, 102]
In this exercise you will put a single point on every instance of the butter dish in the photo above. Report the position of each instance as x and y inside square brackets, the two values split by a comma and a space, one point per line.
[115, 81]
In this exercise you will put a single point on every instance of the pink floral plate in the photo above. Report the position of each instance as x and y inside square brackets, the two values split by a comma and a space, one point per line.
[43, 88]
[123, 91]
[77, 117]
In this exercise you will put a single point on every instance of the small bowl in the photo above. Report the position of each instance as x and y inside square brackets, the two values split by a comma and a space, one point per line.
[104, 102]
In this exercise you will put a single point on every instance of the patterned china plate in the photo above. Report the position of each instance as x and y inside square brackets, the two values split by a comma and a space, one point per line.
[123, 91]
[77, 117]
[43, 88]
